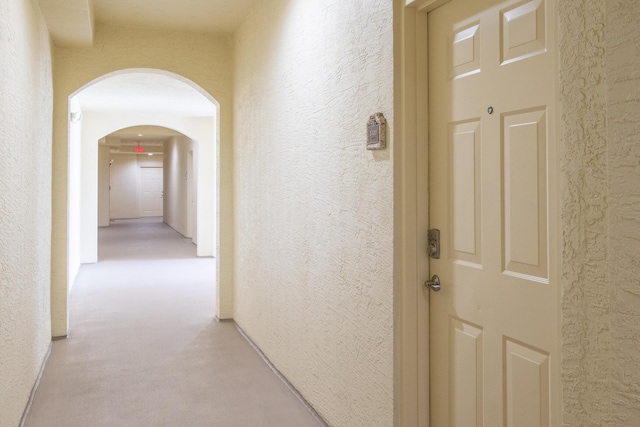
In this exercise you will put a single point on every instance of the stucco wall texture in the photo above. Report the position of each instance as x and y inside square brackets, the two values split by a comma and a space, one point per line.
[176, 187]
[600, 100]
[313, 207]
[26, 101]
[585, 299]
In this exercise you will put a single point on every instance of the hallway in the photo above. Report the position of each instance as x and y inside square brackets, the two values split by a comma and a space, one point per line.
[145, 350]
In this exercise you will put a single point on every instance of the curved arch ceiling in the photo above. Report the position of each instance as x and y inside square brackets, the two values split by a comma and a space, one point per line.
[145, 92]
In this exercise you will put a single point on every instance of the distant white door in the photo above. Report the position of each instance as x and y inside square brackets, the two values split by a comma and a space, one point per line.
[152, 189]
[494, 323]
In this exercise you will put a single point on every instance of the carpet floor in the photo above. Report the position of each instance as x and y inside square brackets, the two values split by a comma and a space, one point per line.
[144, 348]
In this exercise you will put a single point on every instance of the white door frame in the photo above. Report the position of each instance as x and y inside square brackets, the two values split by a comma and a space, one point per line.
[411, 320]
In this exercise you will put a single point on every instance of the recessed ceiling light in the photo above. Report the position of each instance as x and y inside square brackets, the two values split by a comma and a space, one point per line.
[140, 134]
[151, 154]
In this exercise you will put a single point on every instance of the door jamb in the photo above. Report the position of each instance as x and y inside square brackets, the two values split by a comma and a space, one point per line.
[411, 302]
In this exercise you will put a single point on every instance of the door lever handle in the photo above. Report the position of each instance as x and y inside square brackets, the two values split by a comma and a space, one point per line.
[433, 284]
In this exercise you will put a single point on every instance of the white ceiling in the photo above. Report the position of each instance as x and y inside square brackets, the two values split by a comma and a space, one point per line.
[152, 138]
[142, 92]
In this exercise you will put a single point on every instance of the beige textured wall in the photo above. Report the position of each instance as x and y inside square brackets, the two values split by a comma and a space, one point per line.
[25, 202]
[585, 299]
[203, 59]
[176, 191]
[314, 208]
[600, 99]
[623, 149]
[104, 156]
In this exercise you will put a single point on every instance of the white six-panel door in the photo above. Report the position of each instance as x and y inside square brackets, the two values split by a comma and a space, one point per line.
[492, 194]
[152, 191]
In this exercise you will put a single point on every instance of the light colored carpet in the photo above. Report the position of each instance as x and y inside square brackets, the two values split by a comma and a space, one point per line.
[144, 348]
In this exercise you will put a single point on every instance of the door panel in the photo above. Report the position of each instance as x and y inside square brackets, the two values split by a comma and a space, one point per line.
[465, 179]
[494, 325]
[526, 386]
[525, 194]
[466, 374]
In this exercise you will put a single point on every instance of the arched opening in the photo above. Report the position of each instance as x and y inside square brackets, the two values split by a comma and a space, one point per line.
[136, 104]
[149, 171]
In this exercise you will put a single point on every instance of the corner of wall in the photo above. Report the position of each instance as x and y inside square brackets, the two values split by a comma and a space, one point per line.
[585, 300]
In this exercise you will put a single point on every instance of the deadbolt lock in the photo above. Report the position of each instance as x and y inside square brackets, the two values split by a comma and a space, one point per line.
[433, 244]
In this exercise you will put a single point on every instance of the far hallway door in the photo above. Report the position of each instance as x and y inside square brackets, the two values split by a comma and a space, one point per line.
[152, 191]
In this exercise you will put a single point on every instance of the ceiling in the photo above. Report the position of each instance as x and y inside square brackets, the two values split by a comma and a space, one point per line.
[71, 22]
[207, 16]
[151, 138]
[145, 92]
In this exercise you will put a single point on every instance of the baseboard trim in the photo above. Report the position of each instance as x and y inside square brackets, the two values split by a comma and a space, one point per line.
[282, 378]
[35, 386]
